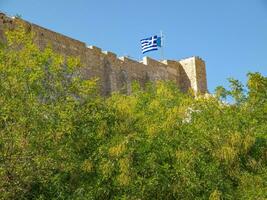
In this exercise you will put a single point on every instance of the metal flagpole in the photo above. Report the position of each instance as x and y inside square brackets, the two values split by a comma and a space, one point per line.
[161, 44]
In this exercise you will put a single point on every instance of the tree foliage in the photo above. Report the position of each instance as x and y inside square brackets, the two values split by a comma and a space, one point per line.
[60, 140]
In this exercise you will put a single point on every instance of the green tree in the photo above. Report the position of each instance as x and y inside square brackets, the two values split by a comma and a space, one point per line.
[60, 140]
[40, 97]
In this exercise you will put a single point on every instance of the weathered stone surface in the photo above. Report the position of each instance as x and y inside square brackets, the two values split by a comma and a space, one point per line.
[116, 74]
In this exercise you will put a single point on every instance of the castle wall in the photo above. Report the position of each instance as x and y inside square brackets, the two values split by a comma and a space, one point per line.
[116, 74]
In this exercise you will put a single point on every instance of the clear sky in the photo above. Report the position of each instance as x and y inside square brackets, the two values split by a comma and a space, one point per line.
[230, 35]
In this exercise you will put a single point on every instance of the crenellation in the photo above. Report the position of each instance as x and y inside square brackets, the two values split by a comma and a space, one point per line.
[126, 59]
[158, 69]
[110, 55]
[117, 73]
[151, 62]
[132, 66]
[95, 48]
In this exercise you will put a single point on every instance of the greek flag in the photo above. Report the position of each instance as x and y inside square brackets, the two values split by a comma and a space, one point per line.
[150, 44]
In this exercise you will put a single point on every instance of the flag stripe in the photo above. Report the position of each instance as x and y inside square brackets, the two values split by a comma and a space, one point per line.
[150, 49]
[148, 46]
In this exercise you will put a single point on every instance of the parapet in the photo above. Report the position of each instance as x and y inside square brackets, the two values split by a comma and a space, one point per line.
[117, 73]
[110, 54]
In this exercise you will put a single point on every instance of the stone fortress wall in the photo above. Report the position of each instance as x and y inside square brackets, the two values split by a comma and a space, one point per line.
[117, 73]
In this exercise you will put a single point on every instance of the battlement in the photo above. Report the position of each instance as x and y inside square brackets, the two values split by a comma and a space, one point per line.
[117, 73]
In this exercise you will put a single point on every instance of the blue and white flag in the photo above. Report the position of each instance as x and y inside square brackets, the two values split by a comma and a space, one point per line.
[150, 44]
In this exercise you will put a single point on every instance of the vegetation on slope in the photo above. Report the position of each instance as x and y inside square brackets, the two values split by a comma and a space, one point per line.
[60, 140]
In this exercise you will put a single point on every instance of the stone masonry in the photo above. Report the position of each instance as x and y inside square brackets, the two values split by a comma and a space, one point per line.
[117, 73]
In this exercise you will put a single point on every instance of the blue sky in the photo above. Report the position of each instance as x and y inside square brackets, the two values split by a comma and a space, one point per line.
[230, 35]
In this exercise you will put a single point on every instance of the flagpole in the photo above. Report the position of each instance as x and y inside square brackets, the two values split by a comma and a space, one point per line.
[161, 48]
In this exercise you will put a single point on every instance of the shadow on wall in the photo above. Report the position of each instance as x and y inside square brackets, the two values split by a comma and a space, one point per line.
[124, 84]
[185, 83]
[107, 78]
